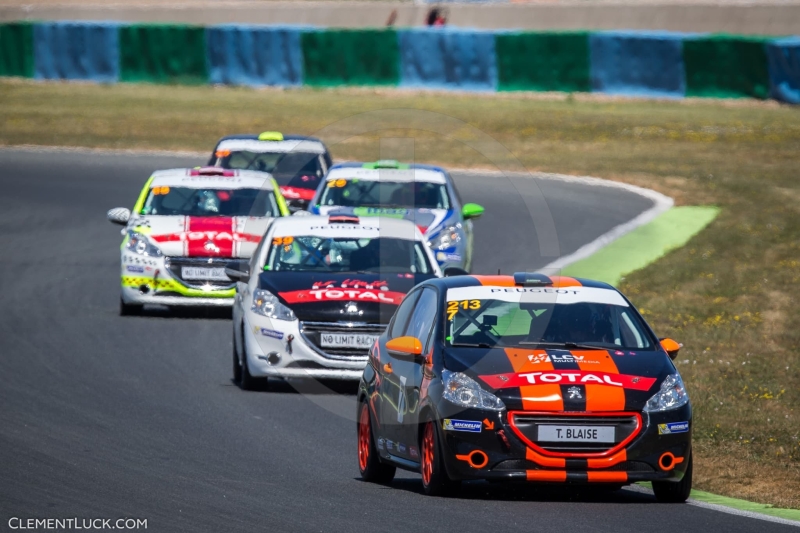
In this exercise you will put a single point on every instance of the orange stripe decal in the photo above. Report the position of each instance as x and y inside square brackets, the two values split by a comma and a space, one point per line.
[542, 398]
[565, 281]
[521, 361]
[607, 477]
[544, 475]
[541, 460]
[600, 397]
[497, 281]
[608, 462]
[535, 397]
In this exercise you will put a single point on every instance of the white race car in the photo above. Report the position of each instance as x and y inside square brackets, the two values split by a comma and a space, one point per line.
[186, 225]
[317, 293]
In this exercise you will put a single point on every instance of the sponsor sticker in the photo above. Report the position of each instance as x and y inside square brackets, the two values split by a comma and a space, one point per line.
[569, 377]
[134, 268]
[442, 256]
[673, 427]
[559, 358]
[401, 447]
[275, 334]
[414, 451]
[470, 426]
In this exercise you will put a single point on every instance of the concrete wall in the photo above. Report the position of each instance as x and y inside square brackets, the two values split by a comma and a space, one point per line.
[772, 17]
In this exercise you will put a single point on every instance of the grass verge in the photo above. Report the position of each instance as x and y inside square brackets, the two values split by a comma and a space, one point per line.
[731, 295]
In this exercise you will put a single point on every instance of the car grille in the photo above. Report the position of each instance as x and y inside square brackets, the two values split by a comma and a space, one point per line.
[526, 426]
[174, 265]
[311, 332]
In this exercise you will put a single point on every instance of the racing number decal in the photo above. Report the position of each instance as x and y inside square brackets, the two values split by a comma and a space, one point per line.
[452, 307]
[286, 242]
[337, 183]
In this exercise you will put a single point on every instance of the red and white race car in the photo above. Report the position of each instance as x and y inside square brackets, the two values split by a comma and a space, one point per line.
[185, 226]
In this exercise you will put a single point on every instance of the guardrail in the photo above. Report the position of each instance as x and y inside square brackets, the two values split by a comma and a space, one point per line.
[653, 64]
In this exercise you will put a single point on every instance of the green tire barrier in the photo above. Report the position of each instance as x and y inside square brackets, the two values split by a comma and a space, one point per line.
[644, 245]
[163, 54]
[351, 57]
[726, 66]
[16, 49]
[557, 61]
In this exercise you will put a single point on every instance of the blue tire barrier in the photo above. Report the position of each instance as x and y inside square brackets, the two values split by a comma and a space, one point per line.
[783, 59]
[76, 51]
[448, 58]
[637, 63]
[256, 56]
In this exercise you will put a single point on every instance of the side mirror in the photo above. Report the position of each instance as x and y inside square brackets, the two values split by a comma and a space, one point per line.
[119, 215]
[455, 271]
[238, 270]
[471, 211]
[405, 347]
[671, 347]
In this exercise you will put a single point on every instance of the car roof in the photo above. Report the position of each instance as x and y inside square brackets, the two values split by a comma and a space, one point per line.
[566, 289]
[289, 143]
[423, 173]
[367, 227]
[213, 178]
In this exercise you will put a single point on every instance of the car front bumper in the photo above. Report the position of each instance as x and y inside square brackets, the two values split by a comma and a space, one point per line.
[498, 453]
[148, 280]
[270, 352]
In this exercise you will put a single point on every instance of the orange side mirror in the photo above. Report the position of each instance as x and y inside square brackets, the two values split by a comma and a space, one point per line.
[671, 347]
[408, 346]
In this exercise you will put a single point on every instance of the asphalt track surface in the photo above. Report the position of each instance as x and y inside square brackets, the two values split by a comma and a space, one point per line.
[112, 417]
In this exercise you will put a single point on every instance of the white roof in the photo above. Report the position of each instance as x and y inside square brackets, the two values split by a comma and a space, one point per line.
[545, 295]
[387, 174]
[368, 228]
[254, 145]
[241, 179]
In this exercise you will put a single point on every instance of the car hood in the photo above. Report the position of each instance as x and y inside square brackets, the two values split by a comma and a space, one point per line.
[429, 221]
[182, 236]
[564, 380]
[341, 297]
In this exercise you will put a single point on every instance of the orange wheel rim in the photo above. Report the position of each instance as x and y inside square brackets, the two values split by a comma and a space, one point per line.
[427, 453]
[363, 438]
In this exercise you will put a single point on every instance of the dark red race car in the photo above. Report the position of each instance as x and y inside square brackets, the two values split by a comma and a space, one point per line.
[524, 378]
[298, 163]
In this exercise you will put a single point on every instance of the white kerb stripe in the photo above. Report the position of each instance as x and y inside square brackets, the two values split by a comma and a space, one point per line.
[544, 295]
[253, 145]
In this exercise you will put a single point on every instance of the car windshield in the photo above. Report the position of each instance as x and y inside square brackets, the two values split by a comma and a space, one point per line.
[187, 201]
[347, 254]
[547, 325]
[282, 165]
[373, 193]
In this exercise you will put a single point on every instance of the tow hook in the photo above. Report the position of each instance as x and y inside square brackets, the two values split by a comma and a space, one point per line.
[289, 340]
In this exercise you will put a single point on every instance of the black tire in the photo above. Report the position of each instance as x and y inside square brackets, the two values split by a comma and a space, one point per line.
[129, 309]
[369, 463]
[435, 480]
[237, 366]
[670, 492]
[247, 381]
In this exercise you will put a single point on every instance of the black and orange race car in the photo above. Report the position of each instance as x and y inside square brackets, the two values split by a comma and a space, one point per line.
[524, 378]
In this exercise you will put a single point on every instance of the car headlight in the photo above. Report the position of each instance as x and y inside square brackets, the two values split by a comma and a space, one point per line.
[265, 303]
[671, 396]
[462, 390]
[140, 244]
[446, 238]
